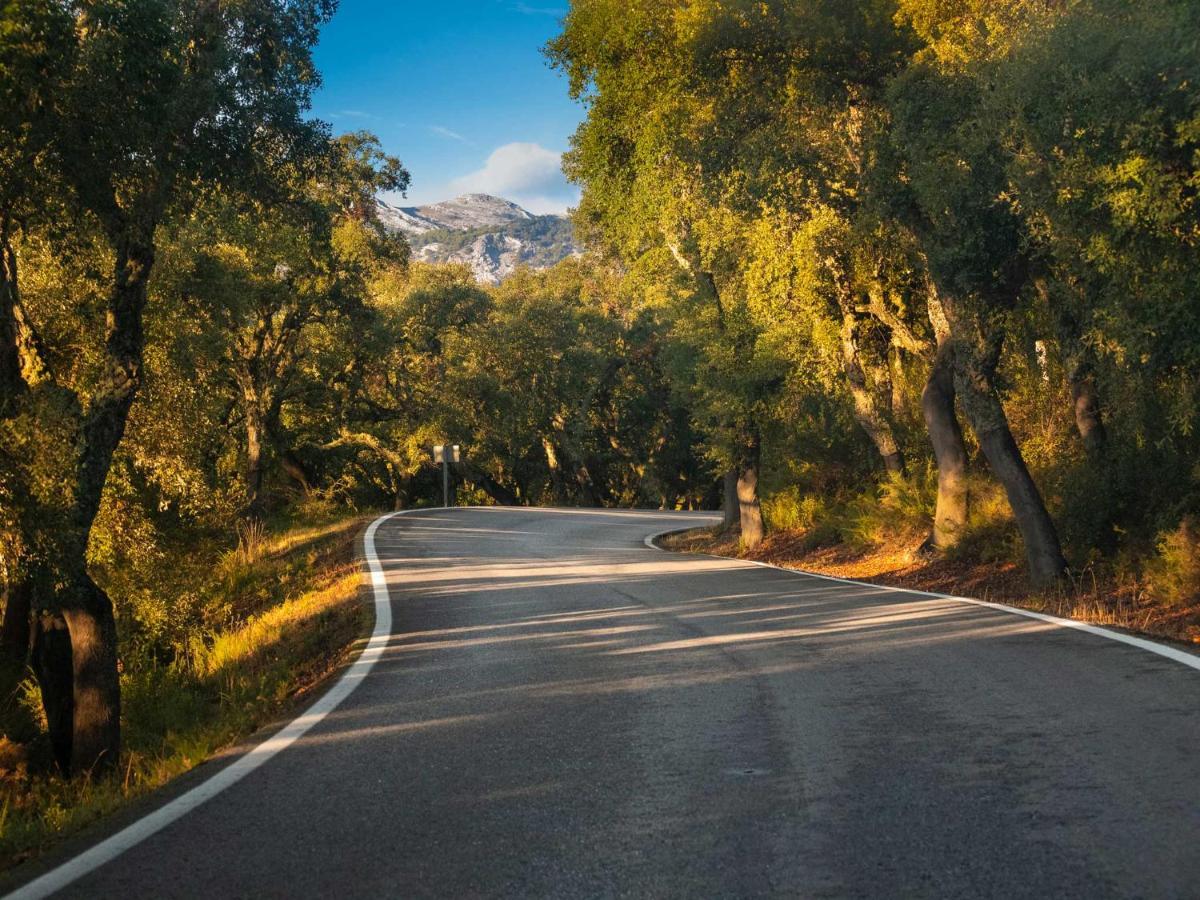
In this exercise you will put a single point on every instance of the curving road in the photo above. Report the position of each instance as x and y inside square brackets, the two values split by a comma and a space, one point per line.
[564, 712]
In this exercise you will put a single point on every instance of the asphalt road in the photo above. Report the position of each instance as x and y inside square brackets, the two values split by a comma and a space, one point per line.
[563, 712]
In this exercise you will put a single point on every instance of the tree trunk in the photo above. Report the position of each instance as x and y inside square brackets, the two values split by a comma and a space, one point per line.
[866, 405]
[588, 494]
[96, 741]
[973, 379]
[53, 667]
[293, 465]
[91, 667]
[494, 489]
[11, 382]
[749, 507]
[949, 451]
[254, 451]
[1086, 401]
[1078, 358]
[15, 632]
[730, 508]
[557, 487]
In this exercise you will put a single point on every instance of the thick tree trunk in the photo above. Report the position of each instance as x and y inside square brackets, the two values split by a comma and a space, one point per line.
[949, 451]
[96, 741]
[974, 381]
[730, 508]
[54, 670]
[90, 667]
[749, 507]
[866, 406]
[15, 632]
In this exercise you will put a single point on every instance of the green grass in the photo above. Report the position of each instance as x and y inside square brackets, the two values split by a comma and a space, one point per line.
[293, 612]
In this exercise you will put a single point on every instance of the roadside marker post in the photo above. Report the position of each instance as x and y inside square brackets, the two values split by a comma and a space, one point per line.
[446, 455]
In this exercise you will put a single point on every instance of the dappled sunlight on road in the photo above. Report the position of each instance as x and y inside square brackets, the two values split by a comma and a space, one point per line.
[389, 731]
[555, 693]
[517, 601]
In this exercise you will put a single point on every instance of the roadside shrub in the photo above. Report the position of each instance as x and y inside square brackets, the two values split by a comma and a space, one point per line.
[899, 509]
[1173, 574]
[991, 535]
[790, 510]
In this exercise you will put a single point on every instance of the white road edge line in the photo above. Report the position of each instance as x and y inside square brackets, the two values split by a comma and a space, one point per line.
[109, 849]
[1191, 660]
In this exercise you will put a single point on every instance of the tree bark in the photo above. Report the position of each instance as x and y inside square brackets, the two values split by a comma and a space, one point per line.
[15, 632]
[96, 741]
[52, 665]
[731, 509]
[557, 487]
[90, 668]
[254, 451]
[749, 507]
[949, 451]
[973, 379]
[11, 382]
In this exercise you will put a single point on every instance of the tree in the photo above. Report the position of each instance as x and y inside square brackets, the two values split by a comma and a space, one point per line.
[651, 209]
[264, 275]
[154, 101]
[975, 248]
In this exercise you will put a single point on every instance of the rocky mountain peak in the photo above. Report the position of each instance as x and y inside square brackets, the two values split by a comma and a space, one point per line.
[492, 235]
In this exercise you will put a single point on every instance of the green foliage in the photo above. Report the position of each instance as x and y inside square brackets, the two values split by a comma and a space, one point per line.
[292, 595]
[1173, 574]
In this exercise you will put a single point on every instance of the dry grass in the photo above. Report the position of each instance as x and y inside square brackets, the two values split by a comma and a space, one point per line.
[298, 616]
[1090, 596]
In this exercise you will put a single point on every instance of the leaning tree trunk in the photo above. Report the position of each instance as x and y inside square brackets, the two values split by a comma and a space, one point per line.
[730, 508]
[945, 434]
[973, 378]
[749, 506]
[490, 485]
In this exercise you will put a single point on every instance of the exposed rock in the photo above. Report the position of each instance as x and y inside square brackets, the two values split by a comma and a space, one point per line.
[492, 235]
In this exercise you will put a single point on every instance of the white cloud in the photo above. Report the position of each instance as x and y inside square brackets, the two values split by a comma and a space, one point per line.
[525, 173]
[447, 133]
[526, 10]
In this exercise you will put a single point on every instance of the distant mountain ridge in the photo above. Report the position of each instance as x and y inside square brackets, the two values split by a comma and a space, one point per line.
[490, 234]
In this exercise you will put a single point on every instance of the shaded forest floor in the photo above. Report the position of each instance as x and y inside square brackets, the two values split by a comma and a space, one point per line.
[1090, 596]
[294, 614]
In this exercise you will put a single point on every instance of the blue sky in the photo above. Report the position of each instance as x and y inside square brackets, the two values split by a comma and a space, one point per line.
[458, 89]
